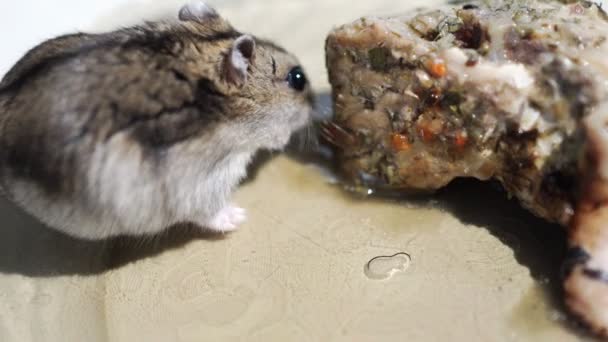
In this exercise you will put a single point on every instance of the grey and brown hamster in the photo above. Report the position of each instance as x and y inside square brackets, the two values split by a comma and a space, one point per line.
[129, 132]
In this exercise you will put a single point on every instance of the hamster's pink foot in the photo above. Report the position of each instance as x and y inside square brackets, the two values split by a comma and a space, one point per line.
[227, 219]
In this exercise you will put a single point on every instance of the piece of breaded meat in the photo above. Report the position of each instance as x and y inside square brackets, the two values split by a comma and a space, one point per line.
[510, 90]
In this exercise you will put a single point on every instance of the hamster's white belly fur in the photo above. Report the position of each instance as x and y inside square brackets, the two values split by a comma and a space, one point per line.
[125, 195]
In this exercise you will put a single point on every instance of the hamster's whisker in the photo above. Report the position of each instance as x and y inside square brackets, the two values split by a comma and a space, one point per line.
[310, 141]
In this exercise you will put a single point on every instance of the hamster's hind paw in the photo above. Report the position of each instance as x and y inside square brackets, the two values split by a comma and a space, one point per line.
[227, 219]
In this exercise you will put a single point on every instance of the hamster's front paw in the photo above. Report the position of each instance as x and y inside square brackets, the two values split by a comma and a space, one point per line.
[227, 219]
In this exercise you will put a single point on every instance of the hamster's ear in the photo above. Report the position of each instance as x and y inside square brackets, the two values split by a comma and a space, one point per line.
[197, 10]
[238, 60]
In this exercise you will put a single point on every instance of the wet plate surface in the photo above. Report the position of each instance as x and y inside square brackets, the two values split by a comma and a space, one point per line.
[312, 263]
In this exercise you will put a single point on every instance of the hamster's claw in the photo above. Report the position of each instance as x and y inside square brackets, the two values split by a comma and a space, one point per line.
[336, 135]
[227, 219]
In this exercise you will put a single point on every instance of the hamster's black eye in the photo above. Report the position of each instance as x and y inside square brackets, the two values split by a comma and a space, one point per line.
[297, 79]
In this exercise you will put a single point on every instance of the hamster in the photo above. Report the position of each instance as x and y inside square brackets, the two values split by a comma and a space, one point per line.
[132, 131]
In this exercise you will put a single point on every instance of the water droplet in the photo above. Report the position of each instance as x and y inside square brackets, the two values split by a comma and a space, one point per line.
[359, 190]
[384, 267]
[557, 316]
[544, 281]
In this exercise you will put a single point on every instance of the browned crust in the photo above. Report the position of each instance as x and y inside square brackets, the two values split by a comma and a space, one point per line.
[586, 285]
